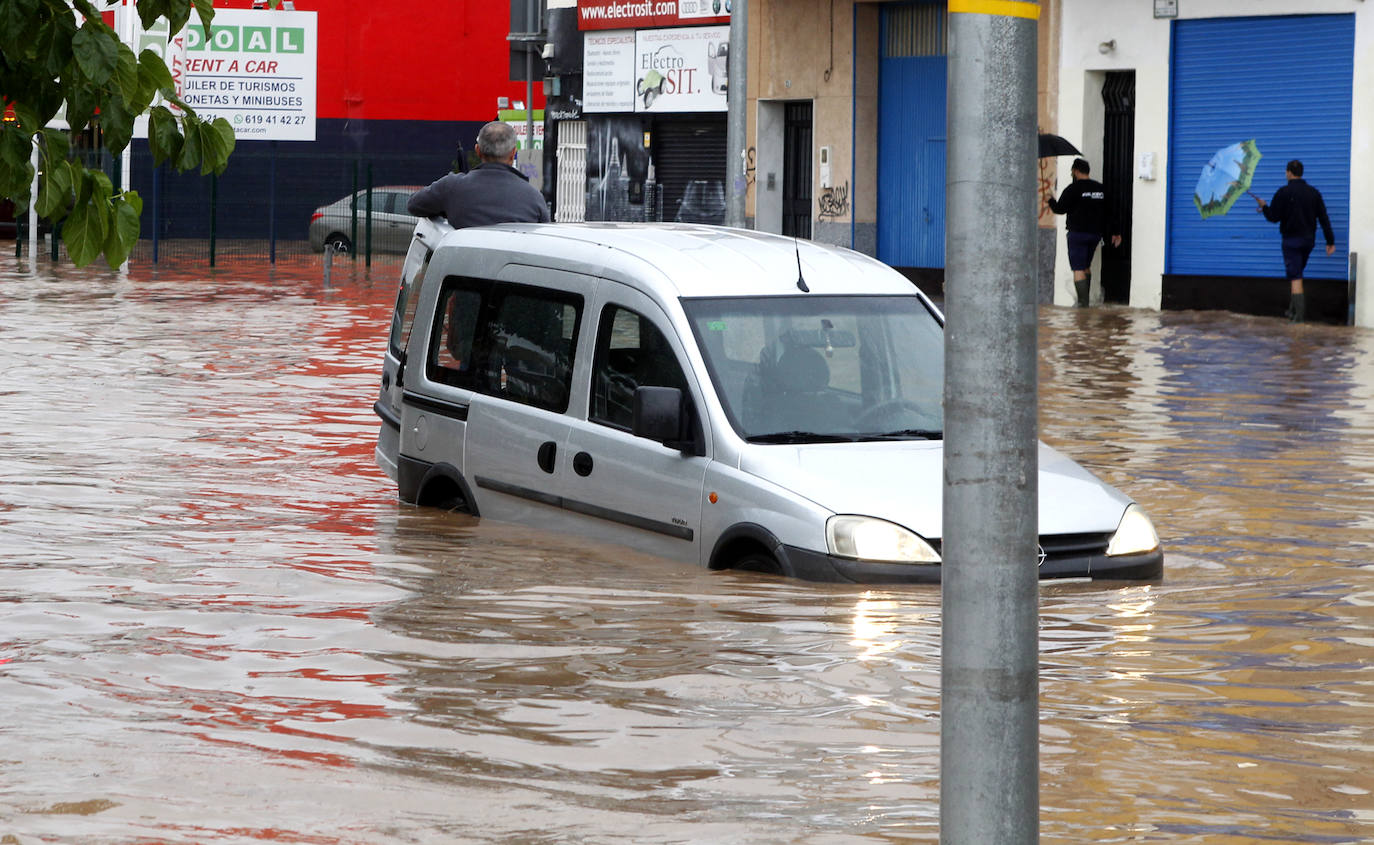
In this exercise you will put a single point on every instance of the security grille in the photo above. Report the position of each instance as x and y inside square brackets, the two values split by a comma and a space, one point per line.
[571, 197]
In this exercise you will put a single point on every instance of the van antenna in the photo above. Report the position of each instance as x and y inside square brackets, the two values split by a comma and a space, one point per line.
[801, 283]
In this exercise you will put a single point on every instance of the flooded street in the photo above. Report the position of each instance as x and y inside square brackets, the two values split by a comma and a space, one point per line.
[218, 625]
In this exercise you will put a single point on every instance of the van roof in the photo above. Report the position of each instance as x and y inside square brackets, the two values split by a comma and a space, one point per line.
[692, 260]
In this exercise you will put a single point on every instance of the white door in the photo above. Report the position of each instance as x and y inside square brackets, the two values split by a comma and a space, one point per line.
[520, 360]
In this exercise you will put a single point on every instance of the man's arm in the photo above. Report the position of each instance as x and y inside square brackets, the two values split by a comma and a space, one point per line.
[1273, 211]
[1065, 201]
[426, 202]
[1323, 219]
[1112, 223]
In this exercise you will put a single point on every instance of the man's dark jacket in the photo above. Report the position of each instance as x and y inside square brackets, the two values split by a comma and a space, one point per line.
[489, 193]
[1085, 201]
[1298, 207]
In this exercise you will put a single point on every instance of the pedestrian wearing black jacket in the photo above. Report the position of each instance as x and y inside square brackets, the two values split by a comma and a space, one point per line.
[1298, 207]
[1090, 219]
[492, 192]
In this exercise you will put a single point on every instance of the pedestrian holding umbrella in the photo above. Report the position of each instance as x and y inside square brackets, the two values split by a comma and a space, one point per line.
[1090, 220]
[1298, 208]
[1225, 177]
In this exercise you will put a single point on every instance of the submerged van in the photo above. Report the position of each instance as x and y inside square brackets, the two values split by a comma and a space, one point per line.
[725, 397]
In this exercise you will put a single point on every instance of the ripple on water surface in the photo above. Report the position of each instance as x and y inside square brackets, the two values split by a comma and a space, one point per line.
[216, 624]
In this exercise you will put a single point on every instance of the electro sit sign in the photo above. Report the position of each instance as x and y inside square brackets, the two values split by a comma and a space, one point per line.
[255, 69]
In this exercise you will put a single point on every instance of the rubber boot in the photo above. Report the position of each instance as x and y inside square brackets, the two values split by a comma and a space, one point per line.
[1297, 308]
[1082, 287]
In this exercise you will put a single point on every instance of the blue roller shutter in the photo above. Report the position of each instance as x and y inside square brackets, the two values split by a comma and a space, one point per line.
[1285, 82]
[911, 135]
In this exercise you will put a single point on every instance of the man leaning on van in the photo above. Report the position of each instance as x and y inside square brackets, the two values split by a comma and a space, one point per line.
[492, 192]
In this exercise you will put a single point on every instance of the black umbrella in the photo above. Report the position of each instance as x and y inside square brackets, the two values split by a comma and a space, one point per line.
[1053, 145]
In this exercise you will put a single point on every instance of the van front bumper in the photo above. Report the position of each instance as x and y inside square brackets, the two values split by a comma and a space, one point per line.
[819, 566]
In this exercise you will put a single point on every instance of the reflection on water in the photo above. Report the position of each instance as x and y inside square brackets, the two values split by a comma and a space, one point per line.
[216, 624]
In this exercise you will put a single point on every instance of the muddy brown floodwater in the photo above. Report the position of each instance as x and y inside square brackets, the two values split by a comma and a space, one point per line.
[217, 624]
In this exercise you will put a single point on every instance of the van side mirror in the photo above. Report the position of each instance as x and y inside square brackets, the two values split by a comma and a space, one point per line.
[660, 414]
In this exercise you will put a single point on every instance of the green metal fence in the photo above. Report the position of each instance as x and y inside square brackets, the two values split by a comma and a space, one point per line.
[261, 207]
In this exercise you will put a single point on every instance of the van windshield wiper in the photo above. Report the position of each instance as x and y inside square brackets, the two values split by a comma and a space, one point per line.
[907, 434]
[799, 437]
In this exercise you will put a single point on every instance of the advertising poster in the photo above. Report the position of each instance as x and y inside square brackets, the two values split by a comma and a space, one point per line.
[681, 69]
[256, 68]
[608, 66]
[656, 70]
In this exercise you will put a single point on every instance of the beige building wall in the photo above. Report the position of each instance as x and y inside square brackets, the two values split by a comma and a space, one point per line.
[801, 50]
[805, 50]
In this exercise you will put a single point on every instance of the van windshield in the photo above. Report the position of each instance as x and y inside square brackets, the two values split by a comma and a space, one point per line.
[814, 369]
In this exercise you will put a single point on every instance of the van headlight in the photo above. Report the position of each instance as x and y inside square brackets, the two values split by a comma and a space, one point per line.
[867, 538]
[1135, 534]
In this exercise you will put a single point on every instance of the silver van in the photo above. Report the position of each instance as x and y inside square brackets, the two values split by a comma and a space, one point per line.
[725, 397]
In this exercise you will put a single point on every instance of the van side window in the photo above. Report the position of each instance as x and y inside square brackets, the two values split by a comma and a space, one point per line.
[630, 352]
[403, 317]
[506, 340]
[460, 311]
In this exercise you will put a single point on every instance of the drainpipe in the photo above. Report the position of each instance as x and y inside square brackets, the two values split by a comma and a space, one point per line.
[736, 119]
[989, 741]
[531, 15]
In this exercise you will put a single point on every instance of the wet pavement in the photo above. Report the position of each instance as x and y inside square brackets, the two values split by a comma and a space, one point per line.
[217, 624]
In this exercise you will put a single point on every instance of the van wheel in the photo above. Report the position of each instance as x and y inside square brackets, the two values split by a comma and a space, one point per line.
[758, 562]
[451, 503]
[444, 494]
[341, 243]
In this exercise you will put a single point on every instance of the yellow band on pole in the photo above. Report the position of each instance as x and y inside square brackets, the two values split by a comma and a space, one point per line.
[1007, 8]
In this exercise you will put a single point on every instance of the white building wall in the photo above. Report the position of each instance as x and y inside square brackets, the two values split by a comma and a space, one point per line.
[1141, 43]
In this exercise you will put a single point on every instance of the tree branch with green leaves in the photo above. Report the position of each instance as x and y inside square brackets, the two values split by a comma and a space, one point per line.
[58, 55]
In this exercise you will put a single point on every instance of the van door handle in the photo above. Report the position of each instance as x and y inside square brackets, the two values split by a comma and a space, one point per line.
[547, 451]
[582, 464]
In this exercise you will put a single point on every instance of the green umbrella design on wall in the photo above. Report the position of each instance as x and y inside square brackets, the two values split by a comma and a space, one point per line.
[1225, 177]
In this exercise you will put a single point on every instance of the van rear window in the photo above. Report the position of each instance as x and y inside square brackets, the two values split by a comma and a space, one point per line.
[507, 340]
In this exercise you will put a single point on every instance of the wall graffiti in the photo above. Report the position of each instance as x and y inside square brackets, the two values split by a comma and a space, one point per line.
[834, 202]
[1046, 179]
[741, 183]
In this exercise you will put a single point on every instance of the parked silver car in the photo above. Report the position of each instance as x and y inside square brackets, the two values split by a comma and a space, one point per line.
[391, 226]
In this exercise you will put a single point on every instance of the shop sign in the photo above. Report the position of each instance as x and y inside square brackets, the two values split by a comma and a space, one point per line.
[656, 70]
[516, 120]
[634, 14]
[608, 66]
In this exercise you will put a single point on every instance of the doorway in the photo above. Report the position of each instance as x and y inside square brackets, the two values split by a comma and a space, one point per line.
[796, 170]
[1118, 157]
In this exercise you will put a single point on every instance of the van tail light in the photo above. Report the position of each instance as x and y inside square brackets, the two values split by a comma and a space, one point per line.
[316, 216]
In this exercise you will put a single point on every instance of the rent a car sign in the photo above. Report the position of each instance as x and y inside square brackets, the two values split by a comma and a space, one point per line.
[256, 69]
